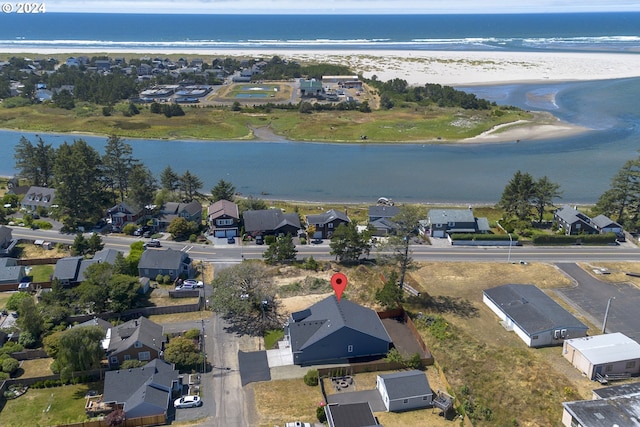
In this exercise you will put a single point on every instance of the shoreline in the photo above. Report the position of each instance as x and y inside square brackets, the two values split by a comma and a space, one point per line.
[418, 67]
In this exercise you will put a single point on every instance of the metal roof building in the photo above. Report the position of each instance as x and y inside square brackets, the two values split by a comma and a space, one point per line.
[609, 354]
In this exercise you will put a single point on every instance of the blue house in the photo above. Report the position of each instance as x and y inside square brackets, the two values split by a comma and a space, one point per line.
[335, 331]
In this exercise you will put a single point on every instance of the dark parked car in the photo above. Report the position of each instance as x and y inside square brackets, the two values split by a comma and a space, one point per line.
[231, 240]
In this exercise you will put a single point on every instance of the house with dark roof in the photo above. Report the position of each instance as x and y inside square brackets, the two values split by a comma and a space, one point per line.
[10, 271]
[381, 219]
[223, 217]
[271, 222]
[143, 391]
[603, 355]
[67, 269]
[441, 222]
[6, 240]
[604, 224]
[611, 406]
[191, 211]
[350, 415]
[406, 390]
[537, 319]
[326, 223]
[138, 339]
[104, 256]
[334, 331]
[169, 262]
[572, 221]
[38, 197]
[122, 214]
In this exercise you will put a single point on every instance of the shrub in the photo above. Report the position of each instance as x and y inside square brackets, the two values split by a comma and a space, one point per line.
[193, 334]
[193, 238]
[27, 340]
[160, 279]
[311, 378]
[9, 365]
[269, 240]
[167, 279]
[4, 376]
[311, 264]
[44, 225]
[129, 229]
[322, 417]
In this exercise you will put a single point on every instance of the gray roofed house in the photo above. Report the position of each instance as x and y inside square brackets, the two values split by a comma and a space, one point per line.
[619, 410]
[137, 339]
[380, 219]
[604, 224]
[10, 271]
[38, 196]
[67, 270]
[123, 213]
[406, 390]
[572, 221]
[191, 211]
[271, 221]
[326, 223]
[350, 415]
[333, 330]
[536, 318]
[165, 262]
[103, 256]
[617, 390]
[446, 221]
[142, 391]
[7, 242]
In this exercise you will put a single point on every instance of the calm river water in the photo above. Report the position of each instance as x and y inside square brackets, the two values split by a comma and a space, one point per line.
[583, 165]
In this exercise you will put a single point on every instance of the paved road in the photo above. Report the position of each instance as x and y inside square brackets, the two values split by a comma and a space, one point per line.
[235, 253]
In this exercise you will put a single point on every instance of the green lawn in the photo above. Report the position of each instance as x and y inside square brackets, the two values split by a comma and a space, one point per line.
[272, 337]
[48, 406]
[42, 273]
[4, 296]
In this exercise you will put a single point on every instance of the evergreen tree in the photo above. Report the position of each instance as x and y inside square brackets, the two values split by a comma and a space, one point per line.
[281, 250]
[544, 194]
[518, 196]
[189, 186]
[223, 191]
[142, 186]
[622, 201]
[390, 295]
[117, 164]
[78, 183]
[348, 245]
[169, 179]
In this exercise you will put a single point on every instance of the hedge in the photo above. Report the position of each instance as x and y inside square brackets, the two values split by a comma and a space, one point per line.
[586, 239]
[484, 237]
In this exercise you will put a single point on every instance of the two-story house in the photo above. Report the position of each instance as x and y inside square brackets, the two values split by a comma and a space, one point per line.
[154, 262]
[326, 223]
[38, 197]
[191, 211]
[572, 221]
[223, 217]
[138, 339]
[441, 222]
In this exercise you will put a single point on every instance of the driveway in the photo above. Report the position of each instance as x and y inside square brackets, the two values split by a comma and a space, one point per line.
[254, 366]
[591, 296]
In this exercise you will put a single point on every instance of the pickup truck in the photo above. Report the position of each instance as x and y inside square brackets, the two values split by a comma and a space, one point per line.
[297, 424]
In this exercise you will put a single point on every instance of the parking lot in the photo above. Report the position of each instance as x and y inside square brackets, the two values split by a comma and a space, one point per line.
[591, 296]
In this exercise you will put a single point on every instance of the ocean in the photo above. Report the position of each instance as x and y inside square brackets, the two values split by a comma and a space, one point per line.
[610, 32]
[458, 173]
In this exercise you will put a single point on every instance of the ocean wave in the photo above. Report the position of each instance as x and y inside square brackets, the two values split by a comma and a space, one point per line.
[613, 43]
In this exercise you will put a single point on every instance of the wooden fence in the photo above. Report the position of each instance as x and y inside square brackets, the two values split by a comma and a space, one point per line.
[38, 261]
[151, 420]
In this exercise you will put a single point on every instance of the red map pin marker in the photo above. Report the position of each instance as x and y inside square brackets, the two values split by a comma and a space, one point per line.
[339, 284]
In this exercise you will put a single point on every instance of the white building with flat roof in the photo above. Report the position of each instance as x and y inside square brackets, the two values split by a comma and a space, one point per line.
[609, 354]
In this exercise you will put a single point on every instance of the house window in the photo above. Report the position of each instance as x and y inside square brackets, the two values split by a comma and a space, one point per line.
[114, 360]
[127, 357]
[405, 401]
[452, 224]
[137, 344]
[330, 225]
[631, 365]
[608, 368]
[425, 397]
[224, 221]
[535, 337]
[350, 349]
[144, 355]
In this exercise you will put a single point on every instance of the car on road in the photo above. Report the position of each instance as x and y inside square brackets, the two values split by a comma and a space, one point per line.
[153, 243]
[231, 240]
[187, 402]
[194, 283]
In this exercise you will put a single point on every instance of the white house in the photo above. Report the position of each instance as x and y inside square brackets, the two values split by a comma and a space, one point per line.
[611, 406]
[609, 354]
[537, 319]
[403, 391]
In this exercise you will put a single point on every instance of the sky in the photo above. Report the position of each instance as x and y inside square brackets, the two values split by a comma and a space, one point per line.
[339, 6]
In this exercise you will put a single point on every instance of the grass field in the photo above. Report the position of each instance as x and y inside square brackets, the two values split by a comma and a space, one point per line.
[36, 368]
[48, 406]
[207, 123]
[42, 273]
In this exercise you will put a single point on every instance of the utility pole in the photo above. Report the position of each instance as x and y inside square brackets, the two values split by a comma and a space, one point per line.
[606, 315]
[405, 262]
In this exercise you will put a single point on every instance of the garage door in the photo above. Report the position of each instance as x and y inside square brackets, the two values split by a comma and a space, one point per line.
[225, 233]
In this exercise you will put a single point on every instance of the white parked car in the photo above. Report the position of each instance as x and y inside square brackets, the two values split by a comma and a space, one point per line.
[187, 402]
[194, 283]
